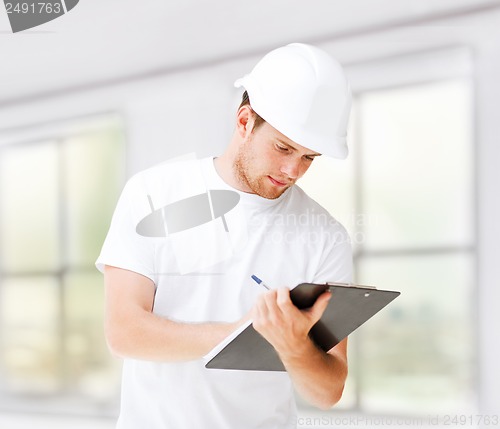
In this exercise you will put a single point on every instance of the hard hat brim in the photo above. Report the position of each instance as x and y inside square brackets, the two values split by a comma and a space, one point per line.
[335, 149]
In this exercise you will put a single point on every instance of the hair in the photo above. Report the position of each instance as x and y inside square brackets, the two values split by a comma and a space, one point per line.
[258, 120]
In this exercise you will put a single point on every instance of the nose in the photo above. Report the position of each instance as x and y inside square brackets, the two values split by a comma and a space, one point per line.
[292, 168]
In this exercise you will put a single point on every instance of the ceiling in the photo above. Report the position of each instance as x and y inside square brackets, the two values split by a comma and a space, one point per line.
[108, 40]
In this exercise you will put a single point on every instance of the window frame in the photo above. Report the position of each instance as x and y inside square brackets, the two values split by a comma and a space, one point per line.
[440, 64]
[65, 400]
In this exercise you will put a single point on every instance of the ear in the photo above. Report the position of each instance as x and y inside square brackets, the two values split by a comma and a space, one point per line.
[244, 121]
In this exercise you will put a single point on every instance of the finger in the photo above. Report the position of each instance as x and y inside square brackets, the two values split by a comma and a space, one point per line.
[283, 300]
[270, 299]
[259, 311]
[262, 303]
[274, 313]
[319, 307]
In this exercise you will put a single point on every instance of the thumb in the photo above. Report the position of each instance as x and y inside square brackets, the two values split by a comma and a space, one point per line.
[319, 307]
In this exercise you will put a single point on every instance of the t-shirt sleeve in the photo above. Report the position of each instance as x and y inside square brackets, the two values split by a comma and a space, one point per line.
[336, 264]
[123, 246]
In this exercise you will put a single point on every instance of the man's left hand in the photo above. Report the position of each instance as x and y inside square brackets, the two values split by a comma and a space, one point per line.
[281, 323]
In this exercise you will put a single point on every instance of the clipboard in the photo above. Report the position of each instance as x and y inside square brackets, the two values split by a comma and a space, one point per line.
[349, 307]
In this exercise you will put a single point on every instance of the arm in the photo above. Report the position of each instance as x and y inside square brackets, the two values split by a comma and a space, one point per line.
[318, 376]
[132, 330]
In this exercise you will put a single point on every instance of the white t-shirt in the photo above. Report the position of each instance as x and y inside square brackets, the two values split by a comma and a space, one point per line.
[202, 272]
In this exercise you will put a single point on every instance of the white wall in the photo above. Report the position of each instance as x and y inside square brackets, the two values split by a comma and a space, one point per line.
[191, 110]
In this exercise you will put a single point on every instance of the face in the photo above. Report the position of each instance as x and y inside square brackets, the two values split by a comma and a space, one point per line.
[267, 162]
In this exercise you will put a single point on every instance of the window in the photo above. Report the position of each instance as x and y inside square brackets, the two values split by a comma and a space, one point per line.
[406, 196]
[56, 198]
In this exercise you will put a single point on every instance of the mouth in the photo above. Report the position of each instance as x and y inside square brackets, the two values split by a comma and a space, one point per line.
[276, 182]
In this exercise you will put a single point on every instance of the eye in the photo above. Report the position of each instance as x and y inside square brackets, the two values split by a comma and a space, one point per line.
[309, 158]
[281, 148]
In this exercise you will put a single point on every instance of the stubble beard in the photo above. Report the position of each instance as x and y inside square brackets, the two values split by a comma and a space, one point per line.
[257, 184]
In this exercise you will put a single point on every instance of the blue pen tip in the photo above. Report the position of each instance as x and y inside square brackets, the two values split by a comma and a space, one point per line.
[259, 281]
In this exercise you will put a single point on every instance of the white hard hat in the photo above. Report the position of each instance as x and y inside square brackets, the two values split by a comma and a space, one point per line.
[302, 92]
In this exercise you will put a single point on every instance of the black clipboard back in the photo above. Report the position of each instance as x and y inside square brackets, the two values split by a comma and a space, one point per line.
[349, 307]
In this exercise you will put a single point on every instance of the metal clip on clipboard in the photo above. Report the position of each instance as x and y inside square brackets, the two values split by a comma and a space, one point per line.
[350, 285]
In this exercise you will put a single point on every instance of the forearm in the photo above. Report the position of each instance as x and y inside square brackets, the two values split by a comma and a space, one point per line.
[133, 330]
[318, 377]
[151, 337]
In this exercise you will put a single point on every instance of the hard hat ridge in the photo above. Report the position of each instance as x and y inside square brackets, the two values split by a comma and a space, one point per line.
[302, 92]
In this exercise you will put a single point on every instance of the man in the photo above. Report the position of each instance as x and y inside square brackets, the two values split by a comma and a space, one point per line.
[173, 293]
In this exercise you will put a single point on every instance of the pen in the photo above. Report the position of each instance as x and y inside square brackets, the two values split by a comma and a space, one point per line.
[260, 282]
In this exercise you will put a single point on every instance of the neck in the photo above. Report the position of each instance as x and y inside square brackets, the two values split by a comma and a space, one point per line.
[224, 165]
